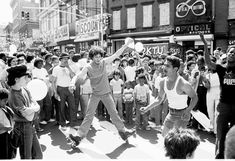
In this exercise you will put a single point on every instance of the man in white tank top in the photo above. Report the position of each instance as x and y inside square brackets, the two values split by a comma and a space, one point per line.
[177, 90]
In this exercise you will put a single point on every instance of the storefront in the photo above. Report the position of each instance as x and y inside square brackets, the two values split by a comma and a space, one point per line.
[87, 32]
[192, 17]
[153, 45]
[64, 37]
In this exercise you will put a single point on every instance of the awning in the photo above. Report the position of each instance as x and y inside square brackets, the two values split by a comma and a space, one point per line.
[209, 37]
[139, 34]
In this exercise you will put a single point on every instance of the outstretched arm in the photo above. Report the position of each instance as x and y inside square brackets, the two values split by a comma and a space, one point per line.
[209, 63]
[110, 59]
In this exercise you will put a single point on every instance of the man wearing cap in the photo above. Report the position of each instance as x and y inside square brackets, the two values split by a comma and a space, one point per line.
[226, 106]
[25, 109]
[61, 77]
[101, 91]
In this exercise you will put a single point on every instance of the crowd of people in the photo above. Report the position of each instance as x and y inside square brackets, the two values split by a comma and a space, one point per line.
[126, 88]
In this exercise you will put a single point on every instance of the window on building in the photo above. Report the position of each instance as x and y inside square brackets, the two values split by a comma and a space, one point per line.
[164, 14]
[131, 18]
[117, 20]
[231, 13]
[147, 16]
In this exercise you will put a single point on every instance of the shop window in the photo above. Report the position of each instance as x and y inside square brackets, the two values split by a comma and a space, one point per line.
[147, 16]
[164, 14]
[231, 13]
[116, 20]
[131, 18]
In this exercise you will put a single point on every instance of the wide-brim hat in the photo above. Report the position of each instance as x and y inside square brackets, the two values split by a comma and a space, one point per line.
[64, 55]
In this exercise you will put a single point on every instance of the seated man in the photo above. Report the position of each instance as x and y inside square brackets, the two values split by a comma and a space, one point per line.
[181, 143]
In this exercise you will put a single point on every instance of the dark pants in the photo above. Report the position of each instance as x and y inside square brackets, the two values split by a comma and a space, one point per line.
[45, 108]
[77, 97]
[226, 115]
[7, 151]
[29, 144]
[67, 97]
[129, 112]
[55, 108]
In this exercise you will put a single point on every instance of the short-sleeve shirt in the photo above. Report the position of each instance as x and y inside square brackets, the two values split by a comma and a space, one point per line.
[227, 84]
[117, 86]
[141, 92]
[62, 75]
[99, 78]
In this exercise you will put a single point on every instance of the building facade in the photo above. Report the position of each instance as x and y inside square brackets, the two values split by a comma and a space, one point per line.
[147, 21]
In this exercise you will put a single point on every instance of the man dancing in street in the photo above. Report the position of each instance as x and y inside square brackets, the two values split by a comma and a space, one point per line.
[96, 72]
[226, 106]
[177, 90]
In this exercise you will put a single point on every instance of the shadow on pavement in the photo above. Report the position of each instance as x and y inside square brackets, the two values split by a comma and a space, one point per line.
[119, 150]
[151, 135]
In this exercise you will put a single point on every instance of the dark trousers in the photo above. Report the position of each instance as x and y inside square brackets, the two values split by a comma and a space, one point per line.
[45, 108]
[67, 97]
[55, 108]
[226, 115]
[77, 97]
[129, 112]
[29, 144]
[7, 151]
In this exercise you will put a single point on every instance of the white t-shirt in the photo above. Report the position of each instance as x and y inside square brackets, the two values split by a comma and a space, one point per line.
[117, 86]
[62, 75]
[40, 73]
[141, 92]
[130, 73]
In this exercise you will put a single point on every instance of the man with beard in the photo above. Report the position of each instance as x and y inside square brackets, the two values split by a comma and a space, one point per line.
[226, 106]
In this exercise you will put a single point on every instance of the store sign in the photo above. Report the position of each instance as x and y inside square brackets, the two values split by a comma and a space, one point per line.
[198, 8]
[62, 33]
[192, 11]
[155, 49]
[88, 28]
[193, 29]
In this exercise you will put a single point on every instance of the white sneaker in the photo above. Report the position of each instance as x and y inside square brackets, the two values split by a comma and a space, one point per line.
[43, 122]
[63, 128]
[51, 120]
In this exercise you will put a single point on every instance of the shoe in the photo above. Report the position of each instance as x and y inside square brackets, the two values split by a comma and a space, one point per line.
[76, 139]
[147, 128]
[39, 130]
[51, 120]
[43, 122]
[63, 128]
[126, 134]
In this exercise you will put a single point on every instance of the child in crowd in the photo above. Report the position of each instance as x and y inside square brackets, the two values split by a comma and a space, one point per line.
[181, 143]
[141, 99]
[6, 126]
[117, 88]
[128, 100]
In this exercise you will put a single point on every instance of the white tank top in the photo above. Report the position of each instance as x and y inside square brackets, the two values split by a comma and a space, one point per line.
[175, 100]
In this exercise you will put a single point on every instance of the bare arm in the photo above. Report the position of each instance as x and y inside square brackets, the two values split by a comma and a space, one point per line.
[157, 101]
[81, 75]
[209, 63]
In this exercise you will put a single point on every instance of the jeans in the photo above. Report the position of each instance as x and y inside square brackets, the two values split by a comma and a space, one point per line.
[45, 108]
[174, 120]
[67, 97]
[29, 147]
[108, 102]
[84, 101]
[226, 113]
[118, 102]
[141, 119]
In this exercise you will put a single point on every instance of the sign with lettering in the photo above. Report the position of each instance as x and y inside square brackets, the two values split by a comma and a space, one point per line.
[62, 33]
[193, 29]
[192, 11]
[155, 49]
[88, 28]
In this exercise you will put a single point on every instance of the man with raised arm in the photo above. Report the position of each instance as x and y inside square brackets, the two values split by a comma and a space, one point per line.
[226, 106]
[101, 91]
[177, 90]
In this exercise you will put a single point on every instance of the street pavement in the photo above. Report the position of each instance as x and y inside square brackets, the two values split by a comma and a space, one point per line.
[103, 142]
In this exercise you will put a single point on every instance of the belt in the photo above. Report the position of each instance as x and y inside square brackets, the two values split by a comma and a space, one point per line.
[176, 110]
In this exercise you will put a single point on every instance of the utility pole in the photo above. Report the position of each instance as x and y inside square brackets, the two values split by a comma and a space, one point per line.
[101, 23]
